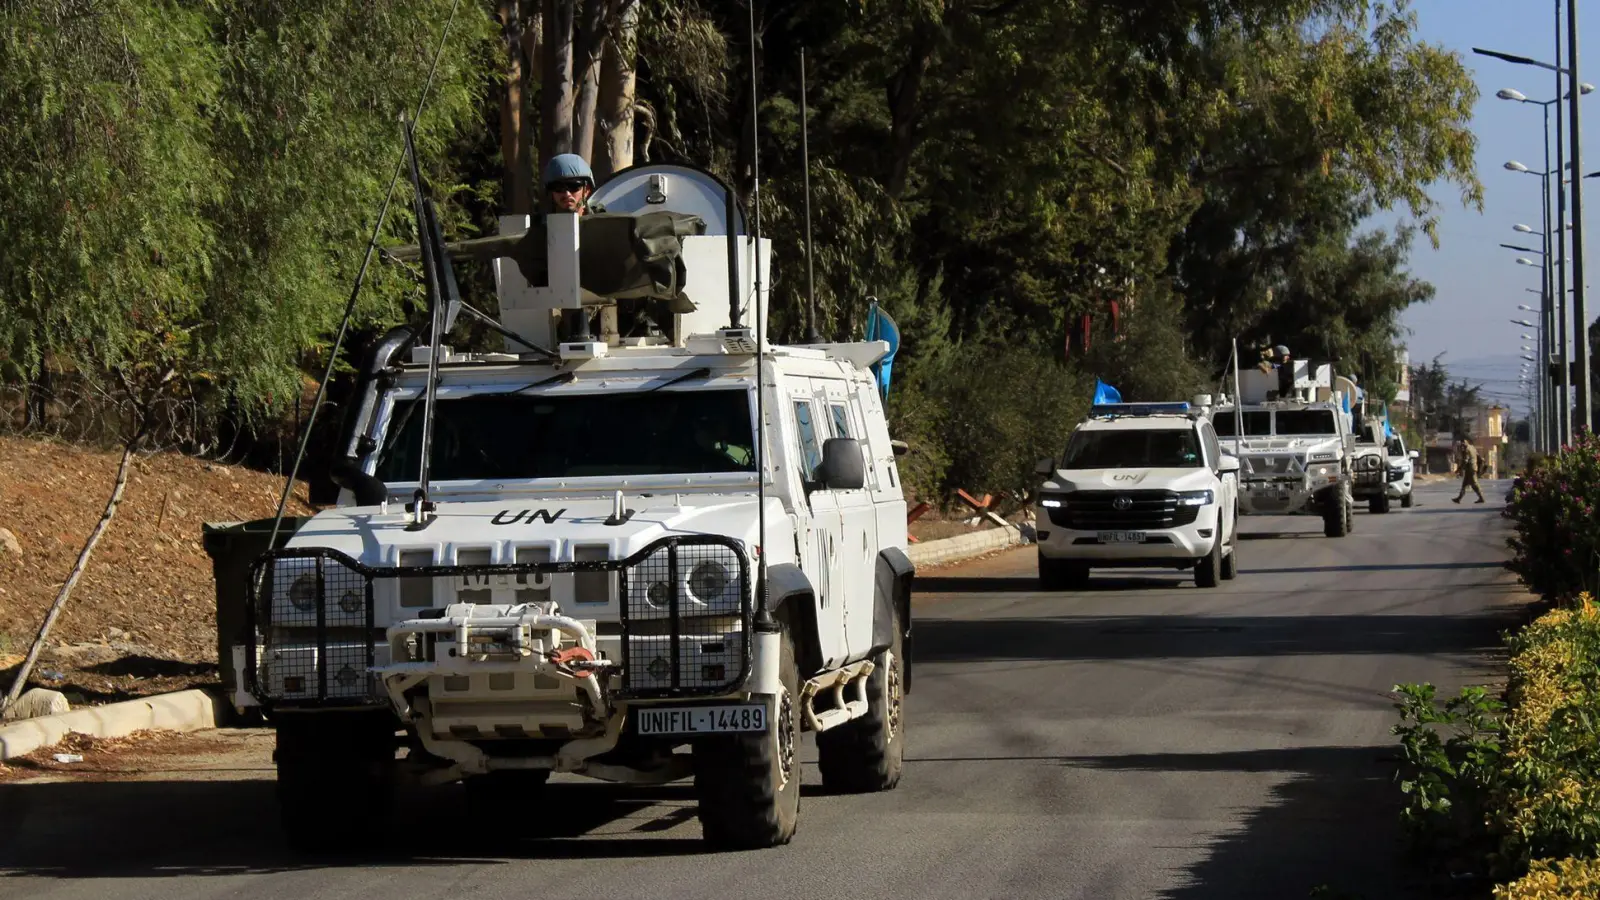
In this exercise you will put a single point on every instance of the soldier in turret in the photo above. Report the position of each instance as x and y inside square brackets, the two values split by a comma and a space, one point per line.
[568, 185]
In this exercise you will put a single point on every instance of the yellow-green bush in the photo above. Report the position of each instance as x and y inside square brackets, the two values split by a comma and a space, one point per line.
[1517, 784]
[1563, 879]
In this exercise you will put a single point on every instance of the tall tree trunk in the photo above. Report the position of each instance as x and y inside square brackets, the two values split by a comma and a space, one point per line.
[614, 148]
[905, 94]
[589, 50]
[515, 191]
[557, 90]
[533, 73]
[72, 579]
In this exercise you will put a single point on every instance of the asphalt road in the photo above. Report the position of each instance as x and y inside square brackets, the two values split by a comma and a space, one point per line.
[1141, 739]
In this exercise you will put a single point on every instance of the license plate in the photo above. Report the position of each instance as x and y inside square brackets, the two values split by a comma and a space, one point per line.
[1121, 537]
[745, 717]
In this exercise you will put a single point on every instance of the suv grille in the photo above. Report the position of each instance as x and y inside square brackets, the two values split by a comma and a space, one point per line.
[1097, 511]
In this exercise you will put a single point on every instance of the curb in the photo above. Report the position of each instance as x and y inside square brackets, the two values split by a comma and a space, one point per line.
[964, 546]
[189, 710]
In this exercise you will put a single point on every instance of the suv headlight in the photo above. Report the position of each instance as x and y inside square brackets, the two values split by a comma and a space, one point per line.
[1195, 498]
[1323, 471]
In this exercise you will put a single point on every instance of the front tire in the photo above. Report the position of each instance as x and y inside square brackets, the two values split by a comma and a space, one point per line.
[868, 754]
[749, 785]
[1208, 571]
[1406, 501]
[1335, 515]
[1380, 504]
[335, 780]
[1062, 574]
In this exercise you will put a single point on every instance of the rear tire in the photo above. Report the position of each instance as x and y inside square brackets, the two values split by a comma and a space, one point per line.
[1208, 571]
[749, 785]
[867, 755]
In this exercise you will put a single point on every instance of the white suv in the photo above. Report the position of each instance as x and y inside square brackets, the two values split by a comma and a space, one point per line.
[1401, 471]
[1140, 484]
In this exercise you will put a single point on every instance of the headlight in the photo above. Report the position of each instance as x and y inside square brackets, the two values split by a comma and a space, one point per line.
[1324, 457]
[303, 592]
[1195, 498]
[1323, 471]
[658, 595]
[708, 580]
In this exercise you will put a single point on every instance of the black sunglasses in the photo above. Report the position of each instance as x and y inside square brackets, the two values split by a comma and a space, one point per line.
[566, 187]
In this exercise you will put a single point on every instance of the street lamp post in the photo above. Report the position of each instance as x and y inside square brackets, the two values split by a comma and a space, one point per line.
[1580, 319]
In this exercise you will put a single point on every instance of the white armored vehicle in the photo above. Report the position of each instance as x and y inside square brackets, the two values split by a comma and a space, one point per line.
[1142, 485]
[1369, 465]
[662, 549]
[1293, 446]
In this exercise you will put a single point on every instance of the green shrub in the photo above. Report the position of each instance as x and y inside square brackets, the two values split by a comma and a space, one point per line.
[1553, 508]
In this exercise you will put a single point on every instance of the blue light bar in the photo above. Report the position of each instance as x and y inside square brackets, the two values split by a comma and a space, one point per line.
[1179, 408]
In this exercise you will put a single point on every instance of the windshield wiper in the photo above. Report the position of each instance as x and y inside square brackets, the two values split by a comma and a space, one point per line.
[687, 376]
[562, 378]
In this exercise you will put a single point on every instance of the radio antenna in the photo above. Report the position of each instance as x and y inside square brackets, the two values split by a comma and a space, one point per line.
[812, 337]
[355, 289]
[763, 618]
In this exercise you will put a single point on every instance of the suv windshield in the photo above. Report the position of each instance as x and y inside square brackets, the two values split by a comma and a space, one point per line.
[490, 436]
[1257, 423]
[1167, 448]
[1306, 421]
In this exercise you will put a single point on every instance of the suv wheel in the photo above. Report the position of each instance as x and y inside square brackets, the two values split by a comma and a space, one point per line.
[1405, 502]
[867, 754]
[749, 784]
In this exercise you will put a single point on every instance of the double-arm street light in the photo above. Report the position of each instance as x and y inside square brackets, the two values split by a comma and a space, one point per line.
[1568, 88]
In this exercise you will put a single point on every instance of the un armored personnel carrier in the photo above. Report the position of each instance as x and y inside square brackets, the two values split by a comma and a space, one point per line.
[640, 544]
[1293, 440]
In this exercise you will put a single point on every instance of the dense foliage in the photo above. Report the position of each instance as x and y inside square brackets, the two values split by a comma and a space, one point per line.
[1556, 540]
[1041, 193]
[1505, 794]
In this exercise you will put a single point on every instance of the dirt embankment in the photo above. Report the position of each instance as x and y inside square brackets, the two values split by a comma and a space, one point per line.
[142, 618]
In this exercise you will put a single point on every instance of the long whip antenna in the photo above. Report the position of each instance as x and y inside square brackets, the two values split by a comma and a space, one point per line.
[355, 289]
[760, 324]
[812, 337]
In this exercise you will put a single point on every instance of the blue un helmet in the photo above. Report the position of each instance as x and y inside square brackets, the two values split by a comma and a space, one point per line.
[567, 167]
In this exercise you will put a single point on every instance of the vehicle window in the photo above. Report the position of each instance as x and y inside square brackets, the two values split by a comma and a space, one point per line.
[841, 421]
[1168, 448]
[489, 436]
[810, 455]
[1306, 421]
[1256, 424]
[1368, 436]
[1397, 447]
[1213, 449]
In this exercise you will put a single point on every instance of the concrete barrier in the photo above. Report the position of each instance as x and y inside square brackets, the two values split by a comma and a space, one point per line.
[188, 710]
[964, 546]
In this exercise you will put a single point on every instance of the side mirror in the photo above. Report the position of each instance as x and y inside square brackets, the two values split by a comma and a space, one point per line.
[1413, 454]
[843, 466]
[1045, 467]
[1228, 464]
[900, 448]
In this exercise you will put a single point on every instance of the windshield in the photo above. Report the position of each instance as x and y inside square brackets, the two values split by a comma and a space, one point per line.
[489, 436]
[1255, 423]
[1168, 448]
[1306, 421]
[1368, 436]
[1397, 447]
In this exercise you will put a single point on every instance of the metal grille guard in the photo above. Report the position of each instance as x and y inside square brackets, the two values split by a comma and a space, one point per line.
[315, 637]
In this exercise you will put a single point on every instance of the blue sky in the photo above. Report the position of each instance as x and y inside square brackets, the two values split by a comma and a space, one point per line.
[1478, 283]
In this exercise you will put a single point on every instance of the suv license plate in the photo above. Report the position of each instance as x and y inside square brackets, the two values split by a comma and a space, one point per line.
[746, 717]
[1121, 537]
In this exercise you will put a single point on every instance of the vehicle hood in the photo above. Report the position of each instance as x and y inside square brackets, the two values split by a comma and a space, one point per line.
[1130, 480]
[376, 537]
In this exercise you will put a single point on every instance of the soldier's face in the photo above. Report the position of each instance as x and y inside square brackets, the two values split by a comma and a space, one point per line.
[568, 196]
